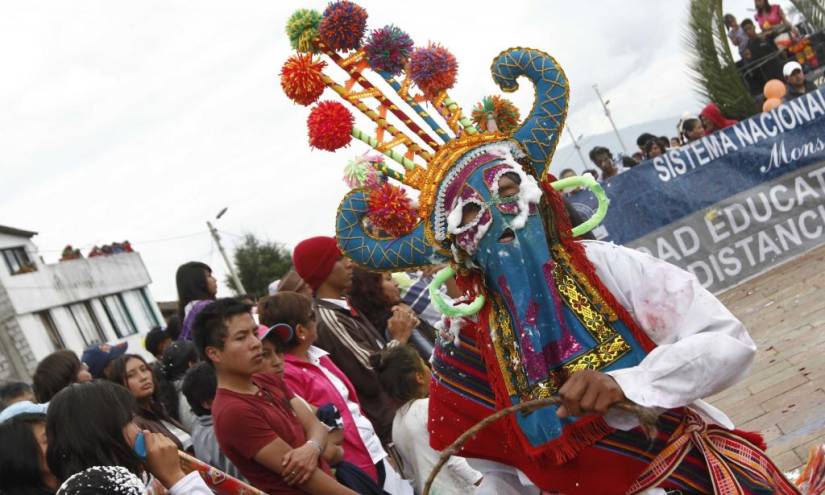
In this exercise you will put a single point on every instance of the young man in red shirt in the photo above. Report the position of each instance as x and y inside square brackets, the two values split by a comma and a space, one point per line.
[256, 425]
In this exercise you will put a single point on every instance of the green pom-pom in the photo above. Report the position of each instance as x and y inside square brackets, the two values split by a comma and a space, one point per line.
[302, 29]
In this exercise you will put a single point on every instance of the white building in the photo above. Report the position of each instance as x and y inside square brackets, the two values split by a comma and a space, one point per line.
[67, 305]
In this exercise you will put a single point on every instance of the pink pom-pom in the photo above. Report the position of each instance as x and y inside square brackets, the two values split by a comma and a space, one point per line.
[343, 25]
[330, 126]
[433, 69]
[302, 80]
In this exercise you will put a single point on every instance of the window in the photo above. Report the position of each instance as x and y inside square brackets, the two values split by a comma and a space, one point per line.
[51, 330]
[18, 261]
[119, 315]
[87, 323]
[146, 304]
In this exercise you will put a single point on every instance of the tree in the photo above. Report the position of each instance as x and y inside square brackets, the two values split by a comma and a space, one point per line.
[259, 263]
[713, 70]
[813, 11]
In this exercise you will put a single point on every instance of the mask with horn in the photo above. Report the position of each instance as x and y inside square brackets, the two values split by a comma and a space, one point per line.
[487, 206]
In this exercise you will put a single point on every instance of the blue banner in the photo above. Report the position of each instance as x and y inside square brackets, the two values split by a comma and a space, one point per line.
[744, 184]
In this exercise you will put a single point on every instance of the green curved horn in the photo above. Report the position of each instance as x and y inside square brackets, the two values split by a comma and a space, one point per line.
[410, 251]
[540, 131]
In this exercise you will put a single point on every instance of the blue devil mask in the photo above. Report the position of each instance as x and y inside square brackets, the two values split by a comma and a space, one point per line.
[494, 219]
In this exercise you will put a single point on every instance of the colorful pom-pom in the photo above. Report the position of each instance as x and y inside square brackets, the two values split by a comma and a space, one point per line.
[361, 172]
[330, 126]
[391, 210]
[301, 78]
[433, 69]
[494, 113]
[343, 25]
[388, 49]
[302, 29]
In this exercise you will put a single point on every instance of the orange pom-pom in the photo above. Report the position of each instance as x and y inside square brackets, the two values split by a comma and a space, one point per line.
[391, 210]
[301, 78]
[330, 126]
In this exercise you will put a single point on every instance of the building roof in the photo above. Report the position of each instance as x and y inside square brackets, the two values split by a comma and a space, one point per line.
[17, 232]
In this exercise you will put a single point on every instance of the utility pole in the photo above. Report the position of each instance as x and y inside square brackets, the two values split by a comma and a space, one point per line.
[607, 113]
[577, 146]
[212, 230]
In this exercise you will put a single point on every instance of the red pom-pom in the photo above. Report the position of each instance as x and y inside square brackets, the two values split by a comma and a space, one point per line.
[301, 78]
[330, 126]
[391, 210]
[343, 25]
[433, 69]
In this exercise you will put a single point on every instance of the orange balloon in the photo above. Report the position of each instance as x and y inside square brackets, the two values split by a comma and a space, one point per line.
[770, 104]
[774, 89]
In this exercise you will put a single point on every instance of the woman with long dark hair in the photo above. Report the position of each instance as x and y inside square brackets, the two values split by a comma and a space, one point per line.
[196, 288]
[57, 371]
[90, 425]
[377, 297]
[23, 469]
[132, 371]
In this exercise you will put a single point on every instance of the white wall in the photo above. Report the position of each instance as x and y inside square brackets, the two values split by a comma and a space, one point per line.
[7, 240]
[75, 280]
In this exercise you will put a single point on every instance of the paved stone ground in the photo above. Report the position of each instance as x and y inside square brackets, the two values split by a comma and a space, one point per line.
[784, 395]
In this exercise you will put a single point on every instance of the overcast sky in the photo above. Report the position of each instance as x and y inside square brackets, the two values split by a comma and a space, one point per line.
[141, 120]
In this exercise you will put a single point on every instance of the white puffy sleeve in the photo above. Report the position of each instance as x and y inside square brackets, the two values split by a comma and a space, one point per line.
[701, 347]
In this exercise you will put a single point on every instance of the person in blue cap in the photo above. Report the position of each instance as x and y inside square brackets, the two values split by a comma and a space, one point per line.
[99, 357]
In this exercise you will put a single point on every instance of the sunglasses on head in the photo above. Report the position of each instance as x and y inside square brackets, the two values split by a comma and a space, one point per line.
[282, 331]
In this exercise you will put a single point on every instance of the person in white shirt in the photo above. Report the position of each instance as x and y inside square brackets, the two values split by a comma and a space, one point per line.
[406, 378]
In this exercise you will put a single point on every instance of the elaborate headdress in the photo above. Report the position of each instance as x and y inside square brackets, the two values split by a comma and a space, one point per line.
[432, 140]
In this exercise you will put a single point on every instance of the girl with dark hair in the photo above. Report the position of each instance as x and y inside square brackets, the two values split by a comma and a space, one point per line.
[377, 297]
[176, 360]
[196, 288]
[312, 375]
[57, 371]
[132, 372]
[405, 377]
[23, 469]
[653, 149]
[90, 425]
[692, 130]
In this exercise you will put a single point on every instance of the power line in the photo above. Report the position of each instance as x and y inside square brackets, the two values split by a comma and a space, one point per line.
[133, 243]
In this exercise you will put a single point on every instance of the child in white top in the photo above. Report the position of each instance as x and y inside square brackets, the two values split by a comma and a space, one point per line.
[406, 378]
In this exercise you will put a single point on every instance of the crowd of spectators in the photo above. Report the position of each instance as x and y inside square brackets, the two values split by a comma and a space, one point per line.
[766, 47]
[320, 387]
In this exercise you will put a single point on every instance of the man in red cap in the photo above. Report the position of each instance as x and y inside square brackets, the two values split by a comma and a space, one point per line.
[346, 335]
